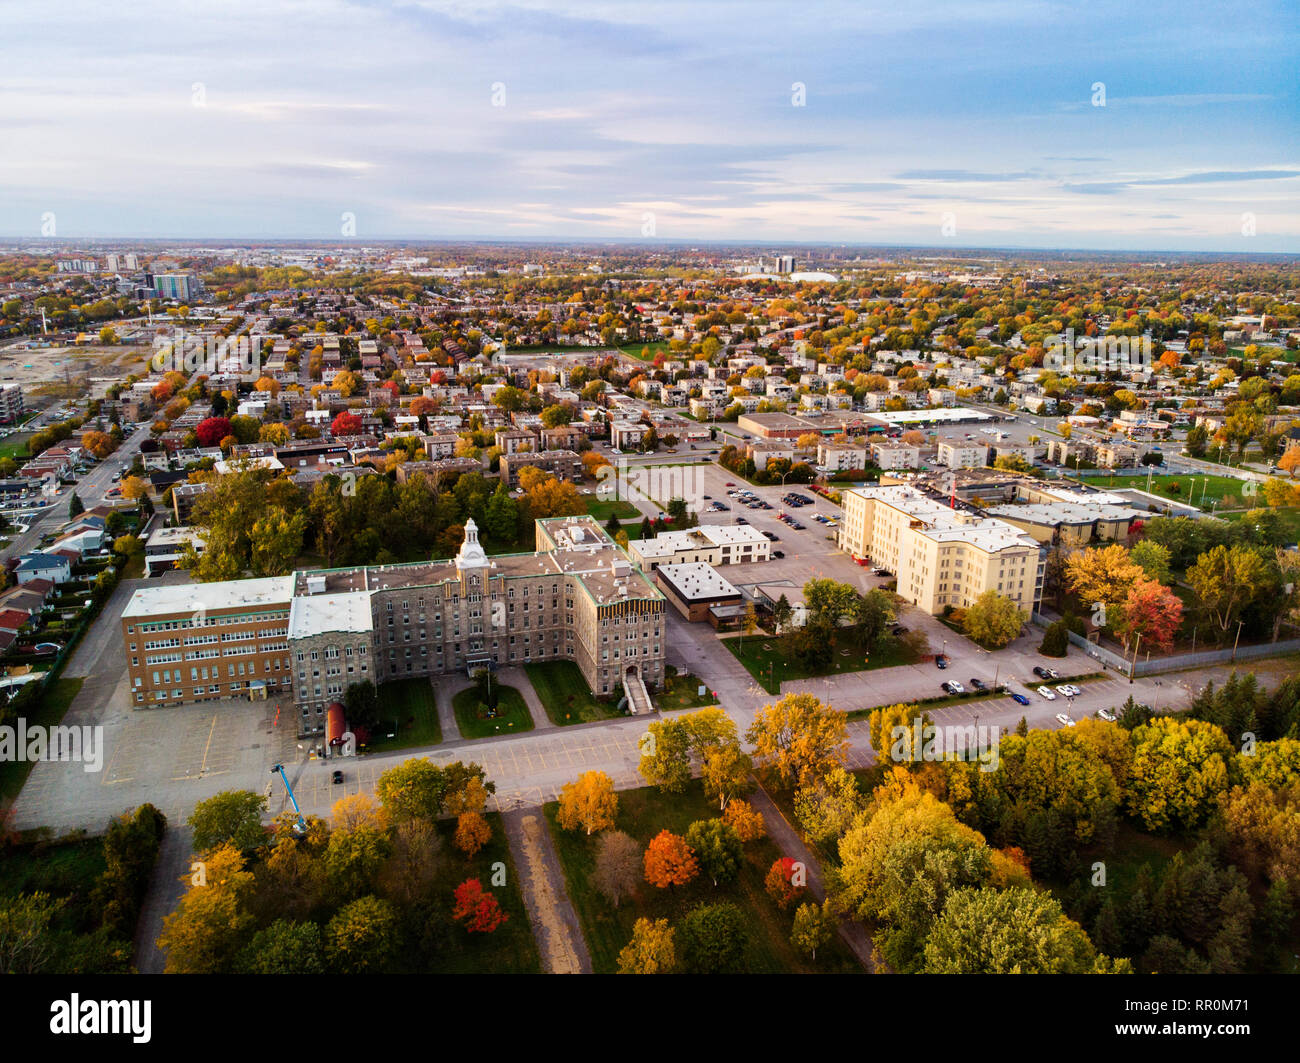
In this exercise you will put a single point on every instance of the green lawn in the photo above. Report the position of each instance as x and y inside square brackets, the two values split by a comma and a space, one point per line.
[602, 511]
[564, 692]
[643, 813]
[682, 692]
[762, 656]
[1197, 490]
[656, 347]
[511, 717]
[511, 948]
[410, 702]
[15, 446]
[58, 696]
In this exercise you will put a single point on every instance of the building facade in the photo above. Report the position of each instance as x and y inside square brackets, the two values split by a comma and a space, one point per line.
[309, 636]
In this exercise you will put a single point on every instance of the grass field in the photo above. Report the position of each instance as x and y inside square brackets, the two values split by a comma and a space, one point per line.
[511, 948]
[411, 703]
[15, 446]
[682, 692]
[762, 656]
[566, 695]
[602, 511]
[58, 696]
[1198, 490]
[643, 814]
[512, 713]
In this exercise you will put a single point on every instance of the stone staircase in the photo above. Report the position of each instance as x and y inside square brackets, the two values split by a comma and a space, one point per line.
[638, 698]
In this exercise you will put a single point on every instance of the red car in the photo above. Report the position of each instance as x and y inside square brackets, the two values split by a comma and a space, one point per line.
[730, 483]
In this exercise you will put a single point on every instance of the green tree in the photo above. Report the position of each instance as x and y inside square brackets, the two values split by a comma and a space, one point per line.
[712, 939]
[413, 789]
[75, 506]
[994, 620]
[1012, 931]
[1153, 559]
[813, 928]
[718, 849]
[26, 942]
[362, 936]
[284, 947]
[233, 816]
[1226, 580]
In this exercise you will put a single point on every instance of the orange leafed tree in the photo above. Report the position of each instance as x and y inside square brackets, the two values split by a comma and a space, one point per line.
[669, 861]
[472, 832]
[589, 804]
[747, 821]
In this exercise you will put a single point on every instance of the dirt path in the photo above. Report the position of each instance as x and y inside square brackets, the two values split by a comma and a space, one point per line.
[165, 891]
[791, 845]
[555, 924]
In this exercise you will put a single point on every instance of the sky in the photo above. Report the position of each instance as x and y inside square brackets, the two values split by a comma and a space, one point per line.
[1008, 123]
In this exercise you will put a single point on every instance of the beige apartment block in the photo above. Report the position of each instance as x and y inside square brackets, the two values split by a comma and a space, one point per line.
[940, 556]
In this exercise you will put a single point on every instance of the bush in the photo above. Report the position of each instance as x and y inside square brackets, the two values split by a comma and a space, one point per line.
[1056, 640]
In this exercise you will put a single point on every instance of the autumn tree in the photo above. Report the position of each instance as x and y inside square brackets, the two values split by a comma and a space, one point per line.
[345, 424]
[784, 881]
[1180, 767]
[814, 926]
[994, 620]
[798, 739]
[1102, 575]
[211, 924]
[589, 804]
[746, 820]
[826, 807]
[472, 832]
[669, 861]
[477, 909]
[362, 936]
[618, 867]
[1152, 613]
[651, 950]
[725, 772]
[231, 817]
[1225, 581]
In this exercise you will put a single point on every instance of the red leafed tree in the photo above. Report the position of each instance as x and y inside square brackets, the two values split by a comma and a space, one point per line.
[477, 909]
[212, 431]
[669, 861]
[1153, 611]
[780, 882]
[346, 424]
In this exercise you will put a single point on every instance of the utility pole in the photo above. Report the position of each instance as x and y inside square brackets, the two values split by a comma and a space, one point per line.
[1133, 664]
[1237, 639]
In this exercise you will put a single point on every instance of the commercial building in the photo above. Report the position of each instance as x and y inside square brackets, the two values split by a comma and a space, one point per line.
[941, 556]
[713, 544]
[698, 592]
[308, 636]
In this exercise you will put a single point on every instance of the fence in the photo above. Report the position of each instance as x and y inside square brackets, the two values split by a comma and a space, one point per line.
[1160, 665]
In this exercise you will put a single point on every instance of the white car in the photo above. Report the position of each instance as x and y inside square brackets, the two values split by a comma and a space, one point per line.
[1106, 715]
[1064, 720]
[1047, 693]
[1068, 690]
[954, 687]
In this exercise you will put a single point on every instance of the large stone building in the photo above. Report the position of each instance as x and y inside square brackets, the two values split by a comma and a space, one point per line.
[940, 555]
[310, 635]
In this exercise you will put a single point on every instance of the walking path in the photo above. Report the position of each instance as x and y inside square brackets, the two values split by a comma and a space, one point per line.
[516, 677]
[541, 882]
[853, 934]
[167, 885]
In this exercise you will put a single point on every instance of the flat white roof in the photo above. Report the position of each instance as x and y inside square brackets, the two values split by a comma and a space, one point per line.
[712, 535]
[190, 597]
[948, 525]
[316, 614]
[697, 580]
[948, 413]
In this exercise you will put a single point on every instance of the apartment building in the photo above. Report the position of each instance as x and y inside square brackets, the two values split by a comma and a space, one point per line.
[837, 457]
[895, 454]
[11, 403]
[308, 636]
[564, 464]
[961, 453]
[941, 556]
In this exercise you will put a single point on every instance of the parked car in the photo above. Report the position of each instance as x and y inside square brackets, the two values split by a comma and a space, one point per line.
[954, 687]
[1020, 699]
[778, 554]
[941, 661]
[338, 777]
[1064, 720]
[1068, 690]
[1041, 672]
[1106, 715]
[978, 684]
[1046, 692]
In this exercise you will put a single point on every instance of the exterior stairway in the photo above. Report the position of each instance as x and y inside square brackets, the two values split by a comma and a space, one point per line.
[638, 698]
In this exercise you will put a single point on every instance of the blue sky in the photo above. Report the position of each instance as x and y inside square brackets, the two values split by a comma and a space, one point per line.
[272, 118]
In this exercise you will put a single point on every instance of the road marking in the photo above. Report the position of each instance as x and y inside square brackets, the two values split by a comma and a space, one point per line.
[208, 744]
